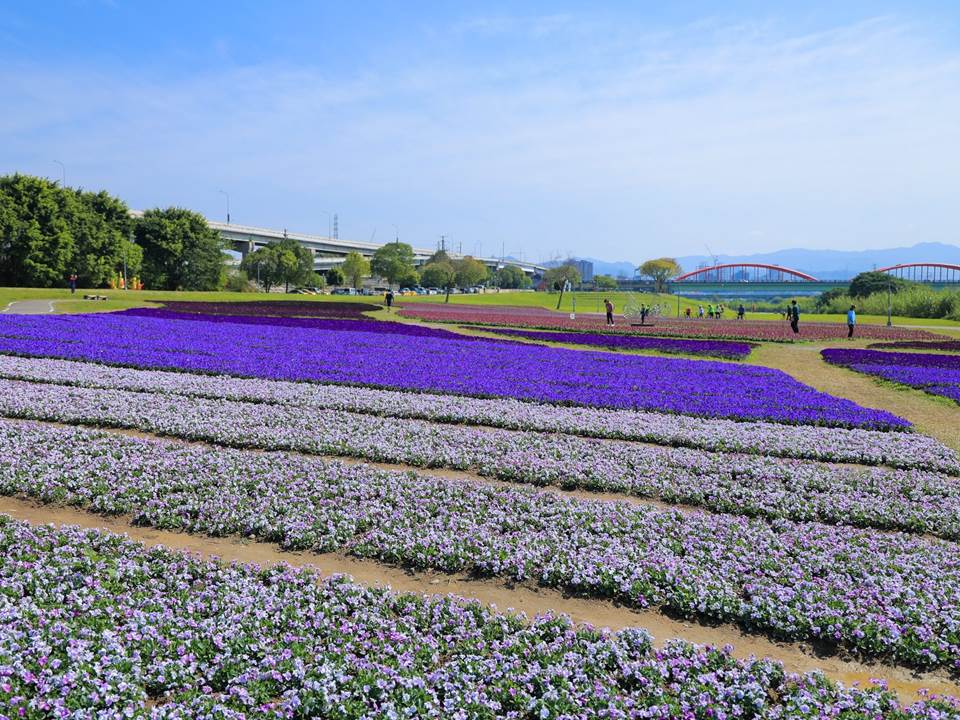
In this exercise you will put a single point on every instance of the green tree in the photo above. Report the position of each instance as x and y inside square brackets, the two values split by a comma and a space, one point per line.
[511, 277]
[470, 272]
[409, 278]
[605, 282]
[393, 261]
[37, 245]
[335, 276]
[660, 270]
[440, 274]
[558, 277]
[180, 251]
[355, 268]
[868, 283]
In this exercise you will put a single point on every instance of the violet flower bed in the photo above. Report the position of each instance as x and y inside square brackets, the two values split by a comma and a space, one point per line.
[941, 345]
[360, 324]
[707, 348]
[275, 308]
[883, 595]
[932, 373]
[461, 367]
[868, 447]
[98, 626]
[914, 501]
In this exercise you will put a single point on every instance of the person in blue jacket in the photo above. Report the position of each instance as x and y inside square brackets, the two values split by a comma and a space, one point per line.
[851, 320]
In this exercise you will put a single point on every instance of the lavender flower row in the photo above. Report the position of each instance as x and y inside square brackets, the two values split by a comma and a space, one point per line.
[869, 447]
[97, 626]
[914, 501]
[882, 595]
[475, 367]
[708, 348]
[855, 356]
[935, 374]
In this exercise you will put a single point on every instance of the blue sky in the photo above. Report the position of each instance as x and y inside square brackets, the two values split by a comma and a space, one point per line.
[620, 130]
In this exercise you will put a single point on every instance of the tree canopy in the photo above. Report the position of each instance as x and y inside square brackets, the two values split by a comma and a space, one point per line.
[355, 268]
[660, 270]
[867, 283]
[48, 233]
[512, 278]
[470, 272]
[286, 262]
[335, 276]
[557, 278]
[440, 274]
[180, 251]
[605, 282]
[393, 261]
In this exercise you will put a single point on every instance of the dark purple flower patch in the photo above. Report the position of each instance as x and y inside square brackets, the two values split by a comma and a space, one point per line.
[475, 367]
[941, 345]
[708, 348]
[275, 308]
[935, 374]
[309, 323]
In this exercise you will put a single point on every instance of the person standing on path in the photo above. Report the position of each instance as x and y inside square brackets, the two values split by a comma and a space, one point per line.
[740, 312]
[608, 306]
[851, 320]
[389, 298]
[794, 312]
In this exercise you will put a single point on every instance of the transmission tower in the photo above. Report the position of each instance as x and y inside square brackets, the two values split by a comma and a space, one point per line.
[336, 227]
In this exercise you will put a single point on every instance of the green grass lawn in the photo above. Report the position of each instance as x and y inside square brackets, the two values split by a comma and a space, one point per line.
[586, 301]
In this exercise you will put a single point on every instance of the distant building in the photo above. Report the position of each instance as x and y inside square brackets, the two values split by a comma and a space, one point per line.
[585, 267]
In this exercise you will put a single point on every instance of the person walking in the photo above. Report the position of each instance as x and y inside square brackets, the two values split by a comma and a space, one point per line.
[741, 311]
[72, 282]
[851, 320]
[389, 298]
[794, 312]
[608, 306]
[700, 312]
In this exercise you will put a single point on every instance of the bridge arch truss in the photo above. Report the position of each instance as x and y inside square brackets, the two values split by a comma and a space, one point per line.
[925, 272]
[744, 272]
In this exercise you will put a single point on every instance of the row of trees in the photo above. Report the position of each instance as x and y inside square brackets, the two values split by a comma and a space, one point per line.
[48, 233]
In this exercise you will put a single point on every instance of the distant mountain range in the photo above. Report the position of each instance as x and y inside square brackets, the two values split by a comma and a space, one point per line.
[823, 264]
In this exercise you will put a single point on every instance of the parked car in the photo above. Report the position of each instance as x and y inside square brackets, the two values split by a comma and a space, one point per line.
[344, 291]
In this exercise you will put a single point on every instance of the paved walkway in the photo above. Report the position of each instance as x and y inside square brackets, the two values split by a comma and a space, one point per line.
[29, 307]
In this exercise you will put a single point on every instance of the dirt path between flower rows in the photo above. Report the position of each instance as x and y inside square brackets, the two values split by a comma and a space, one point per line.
[520, 598]
[936, 417]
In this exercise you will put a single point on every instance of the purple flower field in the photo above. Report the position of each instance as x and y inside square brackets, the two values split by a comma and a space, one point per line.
[708, 348]
[191, 639]
[433, 364]
[916, 501]
[882, 595]
[932, 373]
[847, 445]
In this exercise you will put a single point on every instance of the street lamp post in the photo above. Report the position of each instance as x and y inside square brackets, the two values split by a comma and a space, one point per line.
[227, 195]
[63, 173]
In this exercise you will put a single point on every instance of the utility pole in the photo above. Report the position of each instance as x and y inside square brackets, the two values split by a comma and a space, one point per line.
[443, 243]
[889, 319]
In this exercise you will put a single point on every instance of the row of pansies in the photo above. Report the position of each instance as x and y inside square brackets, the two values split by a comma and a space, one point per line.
[933, 373]
[883, 595]
[612, 341]
[275, 308]
[763, 330]
[937, 345]
[461, 367]
[97, 626]
[750, 485]
[868, 447]
[329, 324]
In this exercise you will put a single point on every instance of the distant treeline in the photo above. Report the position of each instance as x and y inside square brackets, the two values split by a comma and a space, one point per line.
[49, 232]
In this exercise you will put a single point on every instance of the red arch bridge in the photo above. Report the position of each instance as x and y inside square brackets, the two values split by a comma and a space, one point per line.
[744, 272]
[945, 273]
